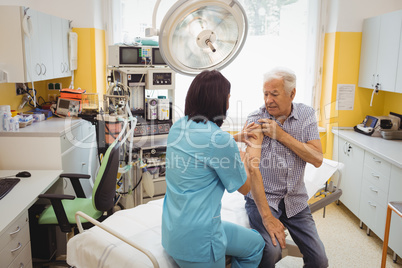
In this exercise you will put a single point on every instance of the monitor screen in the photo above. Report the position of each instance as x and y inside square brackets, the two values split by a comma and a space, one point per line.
[370, 121]
[129, 55]
[157, 57]
[64, 104]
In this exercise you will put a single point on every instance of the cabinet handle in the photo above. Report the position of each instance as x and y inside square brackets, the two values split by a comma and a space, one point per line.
[376, 160]
[371, 204]
[66, 67]
[372, 80]
[374, 175]
[21, 265]
[374, 190]
[16, 231]
[62, 67]
[349, 148]
[38, 69]
[17, 248]
[44, 68]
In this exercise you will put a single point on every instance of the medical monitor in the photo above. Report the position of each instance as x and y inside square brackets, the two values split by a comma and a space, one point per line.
[157, 57]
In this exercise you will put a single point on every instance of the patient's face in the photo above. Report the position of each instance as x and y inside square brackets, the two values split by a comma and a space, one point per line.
[278, 102]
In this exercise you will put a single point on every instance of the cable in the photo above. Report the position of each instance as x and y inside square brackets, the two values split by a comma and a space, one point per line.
[375, 90]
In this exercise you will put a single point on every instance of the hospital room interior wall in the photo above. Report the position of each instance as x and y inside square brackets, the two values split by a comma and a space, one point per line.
[91, 72]
[341, 66]
[87, 23]
[8, 94]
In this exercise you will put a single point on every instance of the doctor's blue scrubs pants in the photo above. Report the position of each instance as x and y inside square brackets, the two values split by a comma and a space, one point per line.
[245, 246]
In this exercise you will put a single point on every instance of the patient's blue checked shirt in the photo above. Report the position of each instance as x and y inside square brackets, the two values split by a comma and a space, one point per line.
[281, 169]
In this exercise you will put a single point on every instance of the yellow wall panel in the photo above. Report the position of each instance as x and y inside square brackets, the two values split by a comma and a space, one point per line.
[100, 61]
[84, 76]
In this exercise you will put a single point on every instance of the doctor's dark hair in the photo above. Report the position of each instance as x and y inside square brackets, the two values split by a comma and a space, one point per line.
[207, 98]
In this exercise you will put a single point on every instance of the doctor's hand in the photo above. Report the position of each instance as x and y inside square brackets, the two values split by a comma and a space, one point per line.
[276, 230]
[246, 133]
[271, 129]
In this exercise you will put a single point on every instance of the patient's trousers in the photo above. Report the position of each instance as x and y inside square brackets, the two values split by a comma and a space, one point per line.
[244, 245]
[302, 229]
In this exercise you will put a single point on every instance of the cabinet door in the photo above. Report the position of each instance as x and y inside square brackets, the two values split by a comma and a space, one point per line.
[398, 86]
[387, 60]
[65, 29]
[395, 190]
[60, 29]
[32, 51]
[38, 49]
[352, 156]
[57, 37]
[45, 45]
[369, 51]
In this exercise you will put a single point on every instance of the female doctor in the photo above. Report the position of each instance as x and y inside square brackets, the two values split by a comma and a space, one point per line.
[201, 162]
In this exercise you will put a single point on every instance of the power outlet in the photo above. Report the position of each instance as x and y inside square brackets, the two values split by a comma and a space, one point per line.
[19, 89]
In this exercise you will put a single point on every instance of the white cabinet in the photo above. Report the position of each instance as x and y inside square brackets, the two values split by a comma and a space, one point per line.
[15, 247]
[60, 29]
[395, 190]
[374, 193]
[377, 164]
[398, 87]
[38, 51]
[352, 156]
[379, 50]
[78, 155]
[61, 144]
[31, 45]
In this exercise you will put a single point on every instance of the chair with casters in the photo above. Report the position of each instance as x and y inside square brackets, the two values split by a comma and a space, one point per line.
[62, 210]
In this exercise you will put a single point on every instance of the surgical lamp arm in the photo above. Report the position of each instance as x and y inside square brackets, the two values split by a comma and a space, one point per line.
[149, 32]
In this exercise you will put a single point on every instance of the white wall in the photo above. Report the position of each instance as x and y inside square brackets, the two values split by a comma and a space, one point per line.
[83, 13]
[348, 16]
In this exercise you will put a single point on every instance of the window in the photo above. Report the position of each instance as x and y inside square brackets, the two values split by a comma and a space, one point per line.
[281, 33]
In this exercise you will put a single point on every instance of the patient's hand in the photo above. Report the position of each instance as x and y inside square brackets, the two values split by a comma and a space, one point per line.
[276, 230]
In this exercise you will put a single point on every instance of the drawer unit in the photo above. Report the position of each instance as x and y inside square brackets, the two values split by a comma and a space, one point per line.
[381, 180]
[378, 179]
[13, 240]
[374, 193]
[23, 260]
[378, 164]
[373, 215]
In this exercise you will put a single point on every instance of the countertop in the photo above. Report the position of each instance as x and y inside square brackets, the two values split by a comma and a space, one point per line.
[52, 127]
[389, 150]
[25, 193]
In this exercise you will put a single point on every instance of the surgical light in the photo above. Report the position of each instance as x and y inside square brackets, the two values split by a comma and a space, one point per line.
[201, 35]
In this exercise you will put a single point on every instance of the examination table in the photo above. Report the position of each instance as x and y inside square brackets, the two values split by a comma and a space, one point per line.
[139, 229]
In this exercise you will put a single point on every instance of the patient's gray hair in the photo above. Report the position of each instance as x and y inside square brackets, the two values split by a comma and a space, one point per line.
[287, 75]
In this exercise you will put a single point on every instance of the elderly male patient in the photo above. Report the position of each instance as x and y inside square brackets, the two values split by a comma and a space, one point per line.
[278, 199]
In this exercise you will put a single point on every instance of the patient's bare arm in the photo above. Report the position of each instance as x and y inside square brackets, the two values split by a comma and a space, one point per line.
[274, 227]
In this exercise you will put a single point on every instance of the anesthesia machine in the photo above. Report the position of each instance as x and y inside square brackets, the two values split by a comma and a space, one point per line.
[140, 78]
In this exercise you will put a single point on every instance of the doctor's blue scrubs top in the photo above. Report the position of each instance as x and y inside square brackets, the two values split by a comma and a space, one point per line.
[201, 162]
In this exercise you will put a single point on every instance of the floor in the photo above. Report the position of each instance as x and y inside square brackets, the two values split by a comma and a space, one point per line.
[345, 243]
